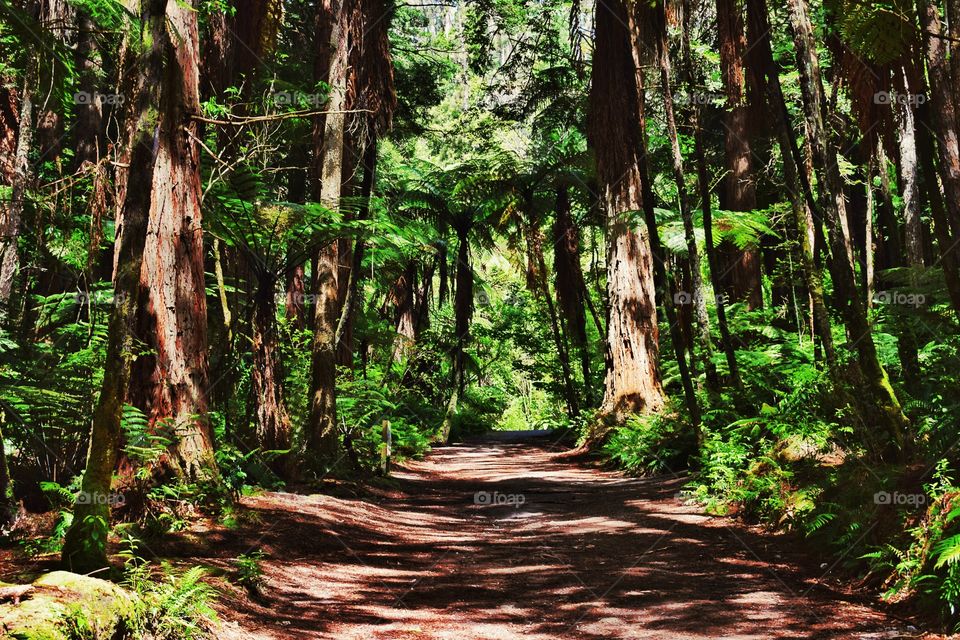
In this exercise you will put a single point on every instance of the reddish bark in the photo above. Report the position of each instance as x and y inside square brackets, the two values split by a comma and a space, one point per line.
[632, 382]
[170, 382]
[740, 268]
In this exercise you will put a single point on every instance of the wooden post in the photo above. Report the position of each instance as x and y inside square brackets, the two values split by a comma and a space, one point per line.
[386, 448]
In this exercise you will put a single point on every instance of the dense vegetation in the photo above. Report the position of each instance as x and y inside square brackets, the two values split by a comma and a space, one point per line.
[237, 237]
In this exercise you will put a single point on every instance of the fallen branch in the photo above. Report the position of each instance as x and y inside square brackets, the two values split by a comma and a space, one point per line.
[239, 121]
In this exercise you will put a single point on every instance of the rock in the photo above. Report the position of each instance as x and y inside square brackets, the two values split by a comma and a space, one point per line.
[63, 605]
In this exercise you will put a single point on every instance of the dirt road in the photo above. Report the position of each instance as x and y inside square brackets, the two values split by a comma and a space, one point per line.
[508, 540]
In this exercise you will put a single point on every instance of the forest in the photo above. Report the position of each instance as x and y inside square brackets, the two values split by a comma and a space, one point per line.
[479, 319]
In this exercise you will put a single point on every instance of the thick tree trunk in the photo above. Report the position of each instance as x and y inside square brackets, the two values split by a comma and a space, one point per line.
[84, 548]
[889, 413]
[740, 268]
[632, 382]
[171, 382]
[664, 284]
[322, 438]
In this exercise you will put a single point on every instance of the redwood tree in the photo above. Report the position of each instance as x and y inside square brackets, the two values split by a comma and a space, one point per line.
[331, 66]
[740, 268]
[632, 382]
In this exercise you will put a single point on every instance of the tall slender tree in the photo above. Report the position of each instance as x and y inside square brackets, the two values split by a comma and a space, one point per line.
[890, 414]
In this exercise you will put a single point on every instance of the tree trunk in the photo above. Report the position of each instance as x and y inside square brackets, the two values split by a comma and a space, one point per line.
[171, 381]
[323, 441]
[266, 383]
[8, 504]
[890, 416]
[443, 289]
[11, 210]
[943, 112]
[740, 268]
[89, 111]
[913, 226]
[632, 382]
[404, 320]
[941, 223]
[348, 312]
[869, 269]
[84, 547]
[569, 285]
[463, 313]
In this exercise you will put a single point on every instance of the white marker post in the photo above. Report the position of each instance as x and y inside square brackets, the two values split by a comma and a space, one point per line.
[385, 448]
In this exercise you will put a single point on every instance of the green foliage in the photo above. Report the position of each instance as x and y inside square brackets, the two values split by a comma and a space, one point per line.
[172, 605]
[248, 570]
[651, 444]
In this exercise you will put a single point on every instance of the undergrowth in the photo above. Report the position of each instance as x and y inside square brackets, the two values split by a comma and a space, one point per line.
[789, 451]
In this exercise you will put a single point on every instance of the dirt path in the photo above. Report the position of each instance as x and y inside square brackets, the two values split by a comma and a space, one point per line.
[577, 553]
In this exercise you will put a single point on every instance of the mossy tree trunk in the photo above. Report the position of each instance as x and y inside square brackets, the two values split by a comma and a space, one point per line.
[84, 548]
[889, 414]
[739, 267]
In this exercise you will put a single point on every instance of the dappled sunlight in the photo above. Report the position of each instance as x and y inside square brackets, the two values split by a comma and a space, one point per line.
[588, 554]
